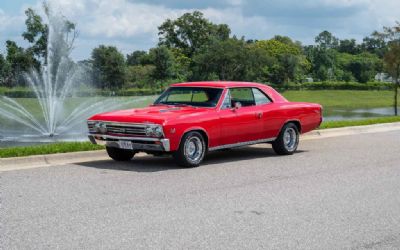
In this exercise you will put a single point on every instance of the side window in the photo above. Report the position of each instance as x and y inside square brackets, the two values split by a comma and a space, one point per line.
[260, 97]
[243, 95]
[227, 101]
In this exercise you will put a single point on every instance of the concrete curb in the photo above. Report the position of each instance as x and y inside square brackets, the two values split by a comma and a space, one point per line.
[334, 132]
[18, 163]
[36, 161]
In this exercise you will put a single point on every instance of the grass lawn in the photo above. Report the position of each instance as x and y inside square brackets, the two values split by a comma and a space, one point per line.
[54, 148]
[343, 99]
[350, 123]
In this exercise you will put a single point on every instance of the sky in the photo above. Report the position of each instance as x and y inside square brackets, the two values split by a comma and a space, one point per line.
[132, 24]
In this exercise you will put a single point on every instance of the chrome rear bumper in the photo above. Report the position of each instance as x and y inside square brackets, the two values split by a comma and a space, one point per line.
[138, 143]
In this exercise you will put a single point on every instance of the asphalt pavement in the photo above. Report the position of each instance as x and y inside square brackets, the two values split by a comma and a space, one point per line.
[335, 193]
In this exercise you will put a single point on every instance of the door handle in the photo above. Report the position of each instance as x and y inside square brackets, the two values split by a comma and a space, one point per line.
[259, 115]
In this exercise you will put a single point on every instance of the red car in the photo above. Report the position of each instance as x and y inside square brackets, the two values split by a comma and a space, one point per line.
[190, 119]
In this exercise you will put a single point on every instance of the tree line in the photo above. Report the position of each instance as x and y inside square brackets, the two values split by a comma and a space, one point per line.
[192, 48]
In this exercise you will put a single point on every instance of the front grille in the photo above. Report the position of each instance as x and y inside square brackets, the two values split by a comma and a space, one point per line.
[91, 127]
[126, 129]
[133, 129]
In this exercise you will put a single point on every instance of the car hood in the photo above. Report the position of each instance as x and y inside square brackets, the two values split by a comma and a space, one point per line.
[151, 114]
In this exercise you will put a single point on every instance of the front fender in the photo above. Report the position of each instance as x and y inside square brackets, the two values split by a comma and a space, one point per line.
[175, 139]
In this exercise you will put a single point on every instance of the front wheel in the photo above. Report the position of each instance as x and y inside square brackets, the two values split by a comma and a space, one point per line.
[191, 150]
[287, 141]
[118, 154]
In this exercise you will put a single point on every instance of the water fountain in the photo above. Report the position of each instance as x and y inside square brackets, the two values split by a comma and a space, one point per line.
[54, 86]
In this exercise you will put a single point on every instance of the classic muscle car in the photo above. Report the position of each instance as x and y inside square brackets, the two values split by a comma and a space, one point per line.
[190, 119]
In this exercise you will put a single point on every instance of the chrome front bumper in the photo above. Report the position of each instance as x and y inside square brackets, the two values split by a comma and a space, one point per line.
[138, 143]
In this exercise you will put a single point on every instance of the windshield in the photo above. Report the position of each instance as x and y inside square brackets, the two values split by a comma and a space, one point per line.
[193, 96]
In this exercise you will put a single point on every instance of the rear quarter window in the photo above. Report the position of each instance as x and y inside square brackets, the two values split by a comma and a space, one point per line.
[259, 97]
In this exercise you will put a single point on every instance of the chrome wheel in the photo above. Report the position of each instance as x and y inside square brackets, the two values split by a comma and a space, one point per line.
[193, 149]
[290, 139]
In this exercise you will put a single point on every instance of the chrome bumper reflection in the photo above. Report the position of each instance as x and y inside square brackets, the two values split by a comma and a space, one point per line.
[138, 143]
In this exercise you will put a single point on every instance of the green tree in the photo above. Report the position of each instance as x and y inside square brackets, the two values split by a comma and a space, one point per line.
[326, 40]
[375, 44]
[182, 65]
[141, 76]
[108, 67]
[392, 57]
[323, 62]
[190, 32]
[289, 64]
[5, 72]
[36, 33]
[135, 58]
[392, 64]
[259, 64]
[163, 60]
[364, 66]
[221, 60]
[348, 46]
[19, 60]
[274, 47]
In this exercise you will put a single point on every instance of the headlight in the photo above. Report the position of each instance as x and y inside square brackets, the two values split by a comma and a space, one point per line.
[149, 130]
[158, 131]
[154, 130]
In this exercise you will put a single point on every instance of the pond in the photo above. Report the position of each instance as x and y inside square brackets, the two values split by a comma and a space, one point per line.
[332, 114]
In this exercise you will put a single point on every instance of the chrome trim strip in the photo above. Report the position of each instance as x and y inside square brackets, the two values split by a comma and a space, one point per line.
[240, 144]
[128, 124]
[125, 137]
[165, 144]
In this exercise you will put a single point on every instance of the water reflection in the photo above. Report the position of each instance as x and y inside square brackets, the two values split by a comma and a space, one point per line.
[356, 114]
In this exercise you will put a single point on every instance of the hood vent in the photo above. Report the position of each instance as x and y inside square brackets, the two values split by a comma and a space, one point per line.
[171, 109]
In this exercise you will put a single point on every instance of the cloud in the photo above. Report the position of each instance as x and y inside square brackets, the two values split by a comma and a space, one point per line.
[132, 24]
[119, 18]
[9, 22]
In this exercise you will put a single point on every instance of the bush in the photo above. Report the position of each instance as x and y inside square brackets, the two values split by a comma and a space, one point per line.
[18, 93]
[24, 92]
[137, 92]
[28, 93]
[335, 86]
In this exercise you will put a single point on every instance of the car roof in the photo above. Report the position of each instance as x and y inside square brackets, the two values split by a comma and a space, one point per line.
[272, 93]
[218, 84]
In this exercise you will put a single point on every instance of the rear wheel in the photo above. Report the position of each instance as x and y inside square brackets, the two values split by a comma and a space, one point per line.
[287, 141]
[191, 150]
[118, 154]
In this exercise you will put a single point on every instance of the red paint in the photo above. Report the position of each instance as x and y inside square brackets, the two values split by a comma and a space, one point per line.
[224, 126]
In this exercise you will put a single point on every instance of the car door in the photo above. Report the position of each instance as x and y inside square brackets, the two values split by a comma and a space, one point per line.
[240, 123]
[266, 112]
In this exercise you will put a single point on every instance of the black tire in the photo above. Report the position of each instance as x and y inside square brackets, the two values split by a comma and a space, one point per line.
[189, 159]
[287, 146]
[118, 154]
